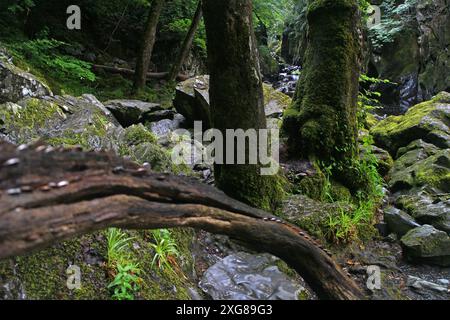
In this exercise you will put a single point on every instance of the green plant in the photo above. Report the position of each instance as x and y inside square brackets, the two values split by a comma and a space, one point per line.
[126, 282]
[368, 99]
[395, 19]
[165, 249]
[118, 244]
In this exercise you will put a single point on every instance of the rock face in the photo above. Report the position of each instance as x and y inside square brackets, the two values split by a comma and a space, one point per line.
[243, 276]
[192, 101]
[409, 47]
[16, 84]
[426, 244]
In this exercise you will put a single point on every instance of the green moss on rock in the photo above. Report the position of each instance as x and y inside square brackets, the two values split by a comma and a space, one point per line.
[423, 121]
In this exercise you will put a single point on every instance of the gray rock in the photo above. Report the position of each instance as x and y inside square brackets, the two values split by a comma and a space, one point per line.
[398, 221]
[192, 101]
[420, 284]
[427, 121]
[415, 169]
[16, 84]
[427, 208]
[244, 276]
[129, 112]
[427, 244]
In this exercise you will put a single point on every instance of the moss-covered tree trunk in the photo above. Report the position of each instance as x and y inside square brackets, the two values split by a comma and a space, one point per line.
[187, 43]
[321, 123]
[236, 95]
[148, 41]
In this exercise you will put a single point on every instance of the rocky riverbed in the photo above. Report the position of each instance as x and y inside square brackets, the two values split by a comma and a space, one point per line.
[411, 248]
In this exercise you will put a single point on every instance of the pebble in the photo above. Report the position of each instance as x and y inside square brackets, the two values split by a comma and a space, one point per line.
[62, 184]
[14, 191]
[11, 162]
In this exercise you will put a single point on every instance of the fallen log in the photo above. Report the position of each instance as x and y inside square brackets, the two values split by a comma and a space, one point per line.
[130, 72]
[49, 195]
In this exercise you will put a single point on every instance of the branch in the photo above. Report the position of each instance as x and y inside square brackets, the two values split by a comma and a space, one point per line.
[130, 72]
[49, 195]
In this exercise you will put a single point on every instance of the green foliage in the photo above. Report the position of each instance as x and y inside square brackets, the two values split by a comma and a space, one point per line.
[118, 245]
[350, 225]
[272, 13]
[368, 100]
[165, 249]
[20, 6]
[126, 282]
[43, 54]
[395, 18]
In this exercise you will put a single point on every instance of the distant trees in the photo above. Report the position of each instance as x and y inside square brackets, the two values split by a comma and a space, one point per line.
[187, 43]
[148, 41]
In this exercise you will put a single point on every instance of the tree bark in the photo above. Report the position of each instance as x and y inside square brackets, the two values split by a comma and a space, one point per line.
[187, 43]
[236, 96]
[322, 124]
[49, 195]
[148, 41]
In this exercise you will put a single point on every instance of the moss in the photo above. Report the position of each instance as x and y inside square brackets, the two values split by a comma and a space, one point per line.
[166, 284]
[398, 131]
[43, 275]
[269, 65]
[321, 123]
[97, 129]
[23, 121]
[313, 186]
[137, 134]
[370, 121]
[270, 94]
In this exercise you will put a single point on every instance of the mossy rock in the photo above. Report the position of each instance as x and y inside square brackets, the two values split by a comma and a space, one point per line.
[60, 121]
[312, 215]
[426, 244]
[275, 102]
[428, 121]
[269, 65]
[427, 207]
[43, 275]
[16, 84]
[415, 169]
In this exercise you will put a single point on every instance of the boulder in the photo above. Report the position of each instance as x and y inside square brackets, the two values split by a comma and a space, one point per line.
[16, 84]
[428, 121]
[192, 101]
[275, 102]
[244, 276]
[415, 169]
[399, 221]
[129, 112]
[427, 244]
[427, 208]
[60, 120]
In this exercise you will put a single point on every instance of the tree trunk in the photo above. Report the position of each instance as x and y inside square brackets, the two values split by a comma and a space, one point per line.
[321, 123]
[187, 43]
[148, 41]
[236, 96]
[49, 195]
